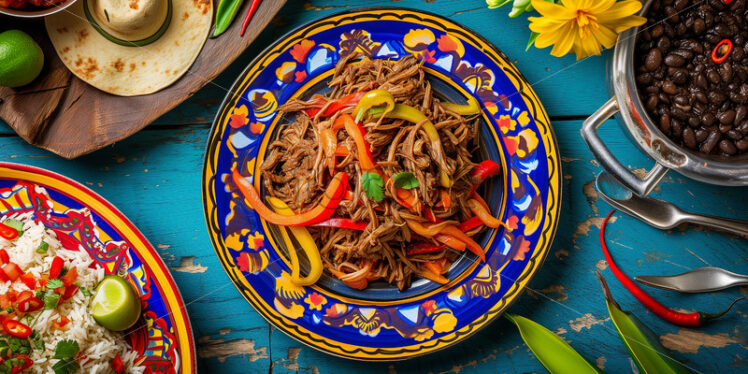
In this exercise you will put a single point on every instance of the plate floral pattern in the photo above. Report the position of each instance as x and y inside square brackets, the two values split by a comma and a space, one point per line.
[85, 221]
[369, 325]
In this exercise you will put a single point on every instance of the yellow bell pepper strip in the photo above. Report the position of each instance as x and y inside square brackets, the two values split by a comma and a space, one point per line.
[374, 98]
[329, 142]
[324, 210]
[483, 214]
[426, 230]
[304, 238]
[472, 107]
[450, 241]
[410, 114]
[432, 272]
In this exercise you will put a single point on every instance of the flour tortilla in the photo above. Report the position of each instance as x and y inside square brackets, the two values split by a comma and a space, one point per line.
[131, 71]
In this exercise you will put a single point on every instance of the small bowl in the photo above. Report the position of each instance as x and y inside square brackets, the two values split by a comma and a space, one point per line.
[36, 13]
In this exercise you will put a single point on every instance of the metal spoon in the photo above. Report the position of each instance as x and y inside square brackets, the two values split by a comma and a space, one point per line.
[706, 279]
[659, 213]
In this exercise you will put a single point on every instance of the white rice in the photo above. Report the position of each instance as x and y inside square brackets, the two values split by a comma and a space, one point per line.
[98, 345]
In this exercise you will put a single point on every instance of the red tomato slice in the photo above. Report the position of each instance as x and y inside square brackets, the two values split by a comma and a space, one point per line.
[12, 271]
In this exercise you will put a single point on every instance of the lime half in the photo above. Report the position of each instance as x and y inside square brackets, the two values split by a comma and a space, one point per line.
[116, 305]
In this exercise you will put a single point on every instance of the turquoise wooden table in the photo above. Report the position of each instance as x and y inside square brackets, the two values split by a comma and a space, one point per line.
[154, 178]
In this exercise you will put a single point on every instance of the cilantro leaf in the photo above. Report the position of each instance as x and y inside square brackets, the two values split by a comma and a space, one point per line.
[65, 366]
[54, 283]
[66, 349]
[51, 300]
[373, 186]
[405, 180]
[39, 344]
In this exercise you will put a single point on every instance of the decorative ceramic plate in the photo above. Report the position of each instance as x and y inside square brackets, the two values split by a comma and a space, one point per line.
[381, 323]
[83, 220]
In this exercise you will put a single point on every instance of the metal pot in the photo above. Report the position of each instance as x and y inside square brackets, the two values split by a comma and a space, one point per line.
[633, 117]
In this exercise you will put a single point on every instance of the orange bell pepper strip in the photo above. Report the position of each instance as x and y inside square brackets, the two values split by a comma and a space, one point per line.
[438, 278]
[357, 132]
[356, 285]
[451, 242]
[329, 142]
[324, 210]
[459, 235]
[483, 214]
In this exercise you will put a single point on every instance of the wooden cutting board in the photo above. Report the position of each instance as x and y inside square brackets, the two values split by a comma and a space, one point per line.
[63, 114]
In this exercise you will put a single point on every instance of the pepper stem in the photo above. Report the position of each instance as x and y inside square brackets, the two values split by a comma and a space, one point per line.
[709, 316]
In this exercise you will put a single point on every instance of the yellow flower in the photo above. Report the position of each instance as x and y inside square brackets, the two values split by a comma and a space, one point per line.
[582, 25]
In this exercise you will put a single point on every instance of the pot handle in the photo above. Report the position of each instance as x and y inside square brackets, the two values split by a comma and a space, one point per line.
[640, 186]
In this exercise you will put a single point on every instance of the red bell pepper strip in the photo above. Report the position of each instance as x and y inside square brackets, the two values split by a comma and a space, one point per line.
[4, 257]
[484, 170]
[8, 232]
[56, 268]
[343, 223]
[451, 242]
[16, 329]
[12, 271]
[117, 365]
[345, 102]
[421, 248]
[470, 224]
[330, 201]
[3, 278]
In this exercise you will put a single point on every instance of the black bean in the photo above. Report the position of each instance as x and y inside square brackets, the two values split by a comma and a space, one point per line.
[700, 81]
[724, 128]
[652, 102]
[689, 138]
[694, 121]
[663, 43]
[701, 97]
[743, 127]
[679, 77]
[710, 142]
[644, 78]
[726, 118]
[672, 15]
[742, 145]
[734, 135]
[725, 71]
[657, 31]
[682, 100]
[708, 119]
[701, 135]
[665, 123]
[699, 26]
[716, 97]
[669, 88]
[653, 60]
[740, 113]
[727, 147]
[713, 76]
[674, 60]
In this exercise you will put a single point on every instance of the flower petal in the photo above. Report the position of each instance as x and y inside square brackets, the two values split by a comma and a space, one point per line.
[566, 41]
[618, 11]
[552, 10]
[605, 36]
[544, 25]
[600, 6]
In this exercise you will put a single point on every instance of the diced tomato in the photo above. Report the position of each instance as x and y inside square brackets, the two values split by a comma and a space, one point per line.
[3, 278]
[29, 280]
[17, 329]
[43, 280]
[4, 302]
[56, 268]
[70, 277]
[31, 304]
[12, 295]
[117, 365]
[69, 292]
[12, 271]
[61, 323]
[4, 258]
[27, 362]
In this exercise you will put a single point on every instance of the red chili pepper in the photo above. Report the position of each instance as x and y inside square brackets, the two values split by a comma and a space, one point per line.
[27, 362]
[117, 365]
[17, 329]
[484, 170]
[421, 248]
[69, 292]
[3, 278]
[4, 258]
[8, 232]
[343, 223]
[56, 268]
[12, 271]
[721, 51]
[674, 317]
[30, 304]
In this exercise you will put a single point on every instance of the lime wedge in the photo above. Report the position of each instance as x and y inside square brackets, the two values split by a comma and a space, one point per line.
[116, 305]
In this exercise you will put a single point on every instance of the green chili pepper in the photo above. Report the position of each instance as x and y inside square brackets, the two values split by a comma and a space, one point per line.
[225, 14]
[642, 344]
[553, 352]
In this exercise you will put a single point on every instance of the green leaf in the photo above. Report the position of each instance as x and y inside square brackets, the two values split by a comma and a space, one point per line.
[553, 352]
[373, 186]
[51, 300]
[531, 41]
[66, 349]
[54, 283]
[643, 345]
[65, 366]
[405, 180]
